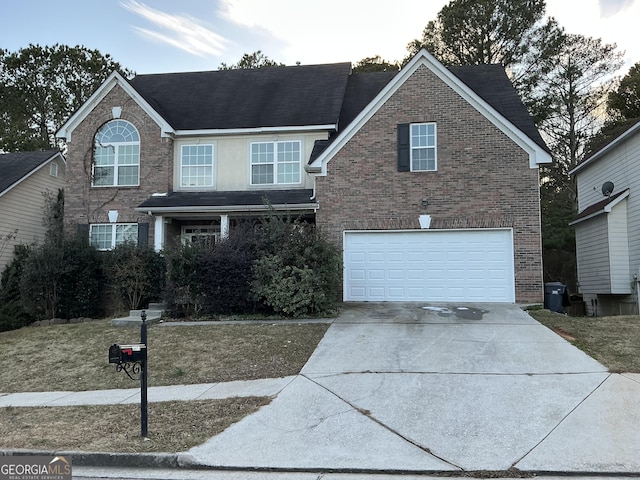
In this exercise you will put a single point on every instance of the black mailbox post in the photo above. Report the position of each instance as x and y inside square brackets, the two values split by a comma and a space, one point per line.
[132, 358]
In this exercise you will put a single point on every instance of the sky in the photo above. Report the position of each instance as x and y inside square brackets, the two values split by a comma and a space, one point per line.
[158, 36]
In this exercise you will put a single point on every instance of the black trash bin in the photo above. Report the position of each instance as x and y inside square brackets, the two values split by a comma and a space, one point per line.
[556, 297]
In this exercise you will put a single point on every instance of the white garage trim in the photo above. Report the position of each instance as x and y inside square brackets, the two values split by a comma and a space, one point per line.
[470, 265]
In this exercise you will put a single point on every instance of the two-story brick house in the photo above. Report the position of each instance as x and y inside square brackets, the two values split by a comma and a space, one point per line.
[427, 177]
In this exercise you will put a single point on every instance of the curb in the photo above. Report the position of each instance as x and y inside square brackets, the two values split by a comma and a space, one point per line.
[98, 459]
[183, 461]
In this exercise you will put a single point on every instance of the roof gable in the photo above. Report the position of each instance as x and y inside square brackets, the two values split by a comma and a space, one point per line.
[114, 80]
[508, 115]
[302, 96]
[16, 167]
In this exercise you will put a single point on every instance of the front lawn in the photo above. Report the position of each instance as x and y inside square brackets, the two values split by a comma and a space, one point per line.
[75, 357]
[613, 341]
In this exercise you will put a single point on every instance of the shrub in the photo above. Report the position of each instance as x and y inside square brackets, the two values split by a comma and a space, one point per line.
[181, 295]
[12, 313]
[81, 280]
[225, 273]
[40, 282]
[299, 272]
[211, 278]
[136, 274]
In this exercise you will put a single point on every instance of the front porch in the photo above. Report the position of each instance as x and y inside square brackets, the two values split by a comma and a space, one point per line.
[188, 217]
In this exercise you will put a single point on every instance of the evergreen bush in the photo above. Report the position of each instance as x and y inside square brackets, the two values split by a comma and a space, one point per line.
[297, 271]
[12, 313]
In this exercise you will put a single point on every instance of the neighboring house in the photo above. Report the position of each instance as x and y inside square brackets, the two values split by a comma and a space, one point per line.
[608, 226]
[25, 178]
[427, 178]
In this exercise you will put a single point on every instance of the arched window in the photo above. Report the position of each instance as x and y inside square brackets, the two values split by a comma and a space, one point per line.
[117, 155]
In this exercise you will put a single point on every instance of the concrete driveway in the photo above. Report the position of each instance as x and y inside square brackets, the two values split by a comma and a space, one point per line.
[440, 388]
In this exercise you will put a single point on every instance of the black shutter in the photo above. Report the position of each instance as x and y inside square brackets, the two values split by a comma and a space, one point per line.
[404, 150]
[143, 235]
[83, 232]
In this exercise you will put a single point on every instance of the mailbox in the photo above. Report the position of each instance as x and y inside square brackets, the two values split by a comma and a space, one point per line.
[136, 352]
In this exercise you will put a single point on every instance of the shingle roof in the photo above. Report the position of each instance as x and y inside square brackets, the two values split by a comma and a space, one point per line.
[302, 96]
[598, 207]
[248, 98]
[254, 198]
[15, 166]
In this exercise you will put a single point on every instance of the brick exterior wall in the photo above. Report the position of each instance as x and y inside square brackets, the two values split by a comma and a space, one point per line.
[483, 179]
[86, 204]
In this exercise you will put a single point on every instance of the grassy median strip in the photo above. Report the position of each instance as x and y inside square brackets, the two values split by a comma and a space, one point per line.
[75, 357]
[173, 426]
[613, 341]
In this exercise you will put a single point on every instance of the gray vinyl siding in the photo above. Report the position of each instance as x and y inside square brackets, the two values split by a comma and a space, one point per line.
[619, 249]
[592, 252]
[622, 167]
[22, 209]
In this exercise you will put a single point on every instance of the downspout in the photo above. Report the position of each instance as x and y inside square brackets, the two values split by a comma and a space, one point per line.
[636, 282]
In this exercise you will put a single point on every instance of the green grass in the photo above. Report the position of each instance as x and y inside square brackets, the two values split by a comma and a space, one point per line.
[613, 341]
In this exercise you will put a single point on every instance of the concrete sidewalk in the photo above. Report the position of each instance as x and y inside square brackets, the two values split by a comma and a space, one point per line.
[417, 389]
[206, 391]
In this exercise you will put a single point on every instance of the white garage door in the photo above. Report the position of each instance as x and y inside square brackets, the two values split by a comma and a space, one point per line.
[429, 265]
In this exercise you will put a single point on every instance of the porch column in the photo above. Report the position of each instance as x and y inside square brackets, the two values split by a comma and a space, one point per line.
[158, 233]
[224, 226]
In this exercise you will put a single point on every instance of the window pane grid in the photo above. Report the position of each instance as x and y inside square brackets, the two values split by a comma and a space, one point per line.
[117, 146]
[261, 174]
[423, 147]
[126, 233]
[197, 166]
[275, 163]
[103, 176]
[128, 175]
[106, 236]
[101, 236]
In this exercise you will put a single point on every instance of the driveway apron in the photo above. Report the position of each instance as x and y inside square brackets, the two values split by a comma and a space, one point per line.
[417, 387]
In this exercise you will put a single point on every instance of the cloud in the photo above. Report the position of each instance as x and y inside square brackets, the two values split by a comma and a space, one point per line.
[180, 31]
[609, 8]
[314, 32]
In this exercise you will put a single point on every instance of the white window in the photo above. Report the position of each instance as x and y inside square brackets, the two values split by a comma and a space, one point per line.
[117, 155]
[423, 147]
[276, 163]
[196, 166]
[105, 236]
[53, 169]
[200, 235]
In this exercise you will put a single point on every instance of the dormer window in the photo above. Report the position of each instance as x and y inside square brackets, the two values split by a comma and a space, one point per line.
[276, 163]
[117, 155]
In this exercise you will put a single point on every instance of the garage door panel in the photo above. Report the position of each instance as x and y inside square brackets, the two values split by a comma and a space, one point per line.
[462, 265]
